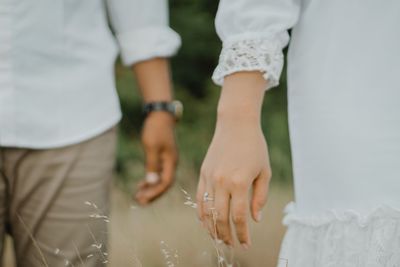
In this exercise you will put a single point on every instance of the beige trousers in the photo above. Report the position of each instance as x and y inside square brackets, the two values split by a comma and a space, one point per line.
[53, 202]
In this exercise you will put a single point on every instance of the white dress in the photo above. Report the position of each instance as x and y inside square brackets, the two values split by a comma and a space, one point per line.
[344, 119]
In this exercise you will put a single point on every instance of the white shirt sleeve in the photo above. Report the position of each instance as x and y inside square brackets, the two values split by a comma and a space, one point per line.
[142, 30]
[254, 32]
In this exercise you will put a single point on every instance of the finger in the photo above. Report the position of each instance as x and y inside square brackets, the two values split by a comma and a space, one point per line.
[222, 199]
[168, 166]
[167, 176]
[152, 159]
[239, 210]
[141, 185]
[201, 189]
[209, 210]
[168, 158]
[151, 192]
[260, 192]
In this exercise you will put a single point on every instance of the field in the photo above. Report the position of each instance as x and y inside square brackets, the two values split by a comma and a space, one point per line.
[142, 236]
[145, 236]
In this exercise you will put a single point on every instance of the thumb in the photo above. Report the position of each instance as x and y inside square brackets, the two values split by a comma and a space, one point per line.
[260, 192]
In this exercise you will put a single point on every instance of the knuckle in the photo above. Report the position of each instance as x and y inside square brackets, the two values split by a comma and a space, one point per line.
[149, 144]
[221, 221]
[239, 219]
[237, 182]
[218, 178]
[259, 202]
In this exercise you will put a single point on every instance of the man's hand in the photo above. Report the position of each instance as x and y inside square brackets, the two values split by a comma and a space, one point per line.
[158, 140]
[158, 136]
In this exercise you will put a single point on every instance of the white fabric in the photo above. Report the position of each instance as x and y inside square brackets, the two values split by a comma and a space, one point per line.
[253, 34]
[57, 59]
[250, 55]
[344, 239]
[344, 120]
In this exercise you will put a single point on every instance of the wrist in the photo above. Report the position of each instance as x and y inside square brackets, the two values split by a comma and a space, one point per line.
[172, 108]
[157, 98]
[241, 97]
[161, 117]
[240, 113]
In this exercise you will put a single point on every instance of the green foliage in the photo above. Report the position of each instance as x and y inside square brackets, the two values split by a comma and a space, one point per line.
[194, 20]
[195, 131]
[192, 69]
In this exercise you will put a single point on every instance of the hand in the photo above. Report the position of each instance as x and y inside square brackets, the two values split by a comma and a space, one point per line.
[237, 160]
[158, 140]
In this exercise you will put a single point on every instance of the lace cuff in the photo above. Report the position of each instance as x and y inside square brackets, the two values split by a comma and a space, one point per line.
[251, 55]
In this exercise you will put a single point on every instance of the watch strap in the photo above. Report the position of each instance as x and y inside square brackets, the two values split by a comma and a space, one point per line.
[158, 106]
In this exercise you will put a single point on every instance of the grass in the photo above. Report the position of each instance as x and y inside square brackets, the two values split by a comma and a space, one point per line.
[168, 231]
[175, 224]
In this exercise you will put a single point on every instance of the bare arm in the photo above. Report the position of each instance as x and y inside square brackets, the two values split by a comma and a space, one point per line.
[158, 137]
[236, 162]
[153, 77]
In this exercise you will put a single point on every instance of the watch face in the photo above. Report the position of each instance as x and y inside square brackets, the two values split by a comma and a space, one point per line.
[178, 108]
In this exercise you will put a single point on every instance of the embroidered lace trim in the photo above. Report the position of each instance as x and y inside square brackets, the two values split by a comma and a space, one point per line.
[343, 239]
[250, 55]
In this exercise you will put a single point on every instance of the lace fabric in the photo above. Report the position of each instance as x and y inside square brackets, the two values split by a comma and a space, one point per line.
[343, 239]
[251, 55]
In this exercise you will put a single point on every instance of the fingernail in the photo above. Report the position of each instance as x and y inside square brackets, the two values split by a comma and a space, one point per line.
[245, 246]
[259, 216]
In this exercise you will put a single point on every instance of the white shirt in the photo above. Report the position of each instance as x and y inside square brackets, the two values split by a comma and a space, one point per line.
[57, 84]
[343, 92]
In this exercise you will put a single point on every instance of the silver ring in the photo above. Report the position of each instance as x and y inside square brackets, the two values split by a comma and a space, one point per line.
[152, 177]
[206, 197]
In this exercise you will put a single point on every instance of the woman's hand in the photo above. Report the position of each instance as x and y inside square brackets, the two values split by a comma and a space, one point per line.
[158, 140]
[236, 163]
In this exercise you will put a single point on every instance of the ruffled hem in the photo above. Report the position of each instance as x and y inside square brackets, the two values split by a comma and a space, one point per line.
[330, 216]
[342, 238]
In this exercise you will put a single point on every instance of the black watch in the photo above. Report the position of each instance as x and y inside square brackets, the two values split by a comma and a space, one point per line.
[174, 107]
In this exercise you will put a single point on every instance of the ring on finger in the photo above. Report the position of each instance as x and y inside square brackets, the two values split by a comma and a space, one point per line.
[206, 197]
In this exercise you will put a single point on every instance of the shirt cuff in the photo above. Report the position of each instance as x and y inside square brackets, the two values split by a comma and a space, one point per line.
[264, 55]
[148, 43]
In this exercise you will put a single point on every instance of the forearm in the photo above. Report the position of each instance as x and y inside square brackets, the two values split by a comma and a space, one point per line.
[158, 137]
[242, 97]
[154, 80]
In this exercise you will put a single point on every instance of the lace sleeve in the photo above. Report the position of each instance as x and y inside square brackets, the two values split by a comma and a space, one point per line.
[251, 55]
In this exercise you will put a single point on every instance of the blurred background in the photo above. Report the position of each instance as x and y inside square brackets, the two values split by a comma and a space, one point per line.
[167, 233]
